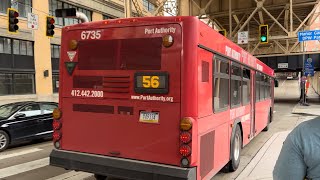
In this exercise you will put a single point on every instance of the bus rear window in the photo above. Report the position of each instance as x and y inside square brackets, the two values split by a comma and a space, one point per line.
[124, 54]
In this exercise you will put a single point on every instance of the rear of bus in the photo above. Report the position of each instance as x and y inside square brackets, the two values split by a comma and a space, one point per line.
[120, 105]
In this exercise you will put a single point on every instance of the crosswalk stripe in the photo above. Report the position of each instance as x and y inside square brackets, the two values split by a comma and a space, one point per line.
[72, 175]
[21, 168]
[10, 155]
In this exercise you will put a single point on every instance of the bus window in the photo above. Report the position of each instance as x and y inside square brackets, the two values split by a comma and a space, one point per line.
[235, 85]
[245, 86]
[262, 87]
[221, 85]
[124, 54]
[257, 86]
[268, 86]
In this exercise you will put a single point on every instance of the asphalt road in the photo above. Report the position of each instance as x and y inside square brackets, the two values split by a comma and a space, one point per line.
[31, 162]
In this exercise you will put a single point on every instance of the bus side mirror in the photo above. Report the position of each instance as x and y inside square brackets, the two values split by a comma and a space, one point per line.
[276, 83]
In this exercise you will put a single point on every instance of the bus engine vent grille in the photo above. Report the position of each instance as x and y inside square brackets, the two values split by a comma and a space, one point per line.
[206, 152]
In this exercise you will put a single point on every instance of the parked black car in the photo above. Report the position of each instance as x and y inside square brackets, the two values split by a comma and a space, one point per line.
[24, 121]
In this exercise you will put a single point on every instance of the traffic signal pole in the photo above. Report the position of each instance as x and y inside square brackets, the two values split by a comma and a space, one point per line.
[303, 101]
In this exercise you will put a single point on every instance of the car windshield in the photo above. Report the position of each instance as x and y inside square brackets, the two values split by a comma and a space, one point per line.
[8, 109]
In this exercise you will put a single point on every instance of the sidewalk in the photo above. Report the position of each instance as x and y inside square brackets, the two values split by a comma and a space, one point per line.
[261, 166]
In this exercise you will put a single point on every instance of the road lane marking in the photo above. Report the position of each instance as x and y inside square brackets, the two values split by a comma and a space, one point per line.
[21, 168]
[72, 175]
[10, 155]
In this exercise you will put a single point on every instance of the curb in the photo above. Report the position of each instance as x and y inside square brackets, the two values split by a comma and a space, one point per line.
[259, 155]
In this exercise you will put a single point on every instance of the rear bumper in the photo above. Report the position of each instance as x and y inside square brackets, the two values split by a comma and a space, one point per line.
[118, 167]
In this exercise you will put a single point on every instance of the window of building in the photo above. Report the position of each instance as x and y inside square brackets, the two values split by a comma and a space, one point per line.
[23, 6]
[55, 51]
[21, 47]
[148, 6]
[55, 82]
[16, 83]
[235, 85]
[16, 67]
[5, 45]
[5, 4]
[56, 4]
[107, 17]
[221, 85]
[55, 55]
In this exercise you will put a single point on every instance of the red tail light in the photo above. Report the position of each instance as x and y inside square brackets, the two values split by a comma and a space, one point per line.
[56, 125]
[56, 135]
[185, 137]
[185, 150]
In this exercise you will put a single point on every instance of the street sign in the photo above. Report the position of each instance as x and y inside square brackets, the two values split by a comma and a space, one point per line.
[309, 35]
[308, 67]
[33, 21]
[243, 37]
[283, 65]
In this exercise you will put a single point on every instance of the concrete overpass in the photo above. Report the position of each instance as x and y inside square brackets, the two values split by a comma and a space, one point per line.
[284, 17]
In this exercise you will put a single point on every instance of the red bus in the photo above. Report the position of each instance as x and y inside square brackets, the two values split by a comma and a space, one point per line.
[156, 98]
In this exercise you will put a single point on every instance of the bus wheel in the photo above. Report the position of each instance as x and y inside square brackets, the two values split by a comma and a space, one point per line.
[268, 124]
[100, 177]
[236, 146]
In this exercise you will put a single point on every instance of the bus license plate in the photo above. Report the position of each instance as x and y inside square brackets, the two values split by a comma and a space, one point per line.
[149, 117]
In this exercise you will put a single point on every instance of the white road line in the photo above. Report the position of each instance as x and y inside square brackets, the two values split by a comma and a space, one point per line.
[10, 155]
[72, 175]
[21, 168]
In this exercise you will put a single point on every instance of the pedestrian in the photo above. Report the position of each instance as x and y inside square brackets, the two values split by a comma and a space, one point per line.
[299, 157]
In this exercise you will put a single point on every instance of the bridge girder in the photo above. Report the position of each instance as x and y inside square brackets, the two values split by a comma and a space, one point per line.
[284, 17]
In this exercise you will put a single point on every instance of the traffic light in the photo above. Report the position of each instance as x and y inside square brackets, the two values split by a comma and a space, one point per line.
[50, 26]
[223, 32]
[263, 34]
[13, 20]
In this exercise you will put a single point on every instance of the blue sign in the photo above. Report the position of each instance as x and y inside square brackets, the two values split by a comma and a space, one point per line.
[308, 67]
[309, 35]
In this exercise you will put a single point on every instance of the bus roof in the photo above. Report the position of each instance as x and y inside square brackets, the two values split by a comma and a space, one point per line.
[244, 57]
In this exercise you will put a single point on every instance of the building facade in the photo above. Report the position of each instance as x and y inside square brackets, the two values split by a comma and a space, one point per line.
[29, 60]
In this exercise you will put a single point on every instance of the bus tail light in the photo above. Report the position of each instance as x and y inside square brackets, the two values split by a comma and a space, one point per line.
[56, 113]
[185, 137]
[185, 150]
[186, 124]
[56, 125]
[56, 136]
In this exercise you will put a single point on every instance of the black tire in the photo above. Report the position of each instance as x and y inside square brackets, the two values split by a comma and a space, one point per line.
[100, 177]
[236, 146]
[4, 140]
[268, 124]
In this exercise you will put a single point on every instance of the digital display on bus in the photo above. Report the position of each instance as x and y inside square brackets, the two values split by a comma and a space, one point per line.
[151, 82]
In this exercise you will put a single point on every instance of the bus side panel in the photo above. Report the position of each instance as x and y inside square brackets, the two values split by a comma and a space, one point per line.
[205, 83]
[246, 124]
[214, 146]
[262, 110]
[189, 80]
